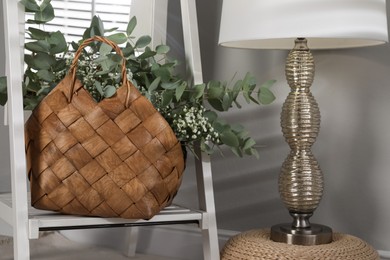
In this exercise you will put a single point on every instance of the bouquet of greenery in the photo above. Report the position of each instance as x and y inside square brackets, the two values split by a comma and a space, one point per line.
[191, 110]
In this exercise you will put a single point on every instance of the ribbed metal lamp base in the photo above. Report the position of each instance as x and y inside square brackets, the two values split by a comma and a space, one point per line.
[315, 235]
[301, 181]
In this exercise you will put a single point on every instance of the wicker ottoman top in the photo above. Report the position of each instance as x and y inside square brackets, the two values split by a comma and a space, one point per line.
[256, 244]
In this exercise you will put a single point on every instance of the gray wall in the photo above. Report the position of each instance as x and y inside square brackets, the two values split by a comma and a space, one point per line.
[353, 148]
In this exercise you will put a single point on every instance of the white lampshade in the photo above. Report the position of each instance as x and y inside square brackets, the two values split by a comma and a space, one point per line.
[274, 24]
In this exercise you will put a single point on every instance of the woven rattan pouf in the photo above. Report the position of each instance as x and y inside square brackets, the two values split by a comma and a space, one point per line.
[256, 244]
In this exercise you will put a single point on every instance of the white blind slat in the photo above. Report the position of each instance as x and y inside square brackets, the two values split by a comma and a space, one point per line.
[74, 16]
[58, 5]
[114, 2]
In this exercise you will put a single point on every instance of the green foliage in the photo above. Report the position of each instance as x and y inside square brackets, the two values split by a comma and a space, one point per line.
[43, 13]
[3, 90]
[192, 110]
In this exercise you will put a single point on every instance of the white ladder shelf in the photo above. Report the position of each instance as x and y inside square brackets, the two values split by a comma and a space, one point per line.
[26, 221]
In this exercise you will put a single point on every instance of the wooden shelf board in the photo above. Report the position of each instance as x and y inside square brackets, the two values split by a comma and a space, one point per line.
[50, 220]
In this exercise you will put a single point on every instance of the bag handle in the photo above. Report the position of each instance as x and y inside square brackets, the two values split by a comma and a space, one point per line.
[112, 44]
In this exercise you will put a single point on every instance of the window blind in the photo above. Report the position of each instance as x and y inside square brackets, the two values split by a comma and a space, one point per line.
[72, 17]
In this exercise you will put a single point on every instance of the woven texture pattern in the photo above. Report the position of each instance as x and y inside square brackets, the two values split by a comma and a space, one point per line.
[256, 244]
[301, 182]
[115, 158]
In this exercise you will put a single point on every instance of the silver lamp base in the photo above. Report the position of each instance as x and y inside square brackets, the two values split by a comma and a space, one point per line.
[314, 235]
[301, 182]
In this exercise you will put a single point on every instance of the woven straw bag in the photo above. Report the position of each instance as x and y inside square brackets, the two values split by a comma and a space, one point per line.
[115, 158]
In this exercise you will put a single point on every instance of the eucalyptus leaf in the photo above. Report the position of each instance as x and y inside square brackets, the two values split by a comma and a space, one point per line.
[116, 58]
[146, 80]
[3, 99]
[153, 86]
[229, 138]
[98, 87]
[226, 102]
[37, 34]
[105, 49]
[214, 90]
[43, 61]
[97, 26]
[167, 97]
[94, 32]
[237, 88]
[249, 143]
[246, 94]
[171, 85]
[143, 41]
[206, 148]
[242, 135]
[118, 38]
[43, 90]
[111, 29]
[162, 73]
[131, 25]
[44, 4]
[29, 75]
[103, 72]
[30, 5]
[162, 49]
[265, 96]
[147, 54]
[216, 104]
[3, 90]
[3, 84]
[180, 90]
[129, 50]
[74, 45]
[30, 103]
[107, 65]
[45, 15]
[248, 86]
[101, 58]
[171, 69]
[144, 64]
[38, 46]
[32, 21]
[87, 34]
[237, 128]
[57, 43]
[252, 152]
[221, 126]
[46, 75]
[199, 91]
[155, 67]
[59, 65]
[109, 91]
[249, 79]
[33, 87]
[210, 115]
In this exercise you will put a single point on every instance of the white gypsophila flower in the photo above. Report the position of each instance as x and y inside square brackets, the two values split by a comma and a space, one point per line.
[190, 124]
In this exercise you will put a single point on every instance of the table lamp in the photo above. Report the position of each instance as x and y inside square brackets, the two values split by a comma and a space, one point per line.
[298, 25]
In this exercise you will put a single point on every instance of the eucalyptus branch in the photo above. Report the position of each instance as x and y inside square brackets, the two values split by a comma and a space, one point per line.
[151, 71]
